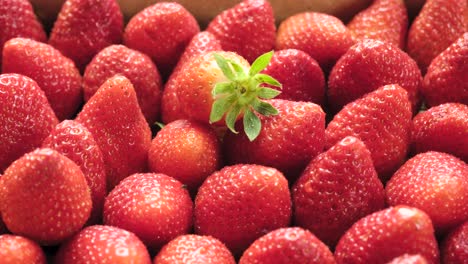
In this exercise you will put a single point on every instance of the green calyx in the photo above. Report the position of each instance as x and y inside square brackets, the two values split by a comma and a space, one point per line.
[244, 94]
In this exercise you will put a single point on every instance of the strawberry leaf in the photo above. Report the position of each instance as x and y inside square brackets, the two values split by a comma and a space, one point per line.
[264, 108]
[231, 117]
[220, 107]
[252, 125]
[222, 88]
[263, 78]
[260, 63]
[267, 93]
[224, 66]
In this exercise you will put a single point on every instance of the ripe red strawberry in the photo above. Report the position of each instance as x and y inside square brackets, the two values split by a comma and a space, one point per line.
[439, 24]
[292, 245]
[409, 259]
[387, 234]
[193, 144]
[17, 19]
[369, 65]
[55, 74]
[201, 43]
[382, 120]
[17, 249]
[339, 187]
[442, 128]
[247, 28]
[240, 203]
[436, 183]
[446, 79]
[45, 197]
[384, 20]
[75, 142]
[162, 31]
[454, 248]
[297, 132]
[114, 118]
[136, 66]
[155, 207]
[194, 249]
[324, 37]
[84, 27]
[103, 244]
[26, 117]
[306, 84]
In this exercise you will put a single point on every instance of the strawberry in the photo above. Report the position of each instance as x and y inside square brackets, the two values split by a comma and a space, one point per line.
[18, 249]
[308, 82]
[26, 117]
[338, 187]
[247, 28]
[369, 65]
[439, 24]
[170, 105]
[382, 120]
[17, 19]
[292, 245]
[384, 20]
[446, 79]
[45, 197]
[240, 203]
[155, 207]
[454, 248]
[409, 259]
[324, 37]
[222, 86]
[136, 66]
[75, 142]
[297, 132]
[162, 31]
[194, 249]
[103, 244]
[114, 118]
[84, 27]
[436, 183]
[442, 128]
[193, 144]
[384, 235]
[54, 73]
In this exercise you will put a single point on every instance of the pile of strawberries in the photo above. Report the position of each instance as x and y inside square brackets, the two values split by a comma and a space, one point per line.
[153, 141]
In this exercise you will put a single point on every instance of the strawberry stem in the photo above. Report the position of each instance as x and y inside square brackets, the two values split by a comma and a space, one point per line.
[244, 94]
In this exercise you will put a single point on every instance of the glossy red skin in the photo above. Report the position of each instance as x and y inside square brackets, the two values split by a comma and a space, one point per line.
[446, 79]
[369, 65]
[454, 248]
[384, 20]
[136, 66]
[196, 81]
[240, 203]
[292, 245]
[287, 141]
[247, 28]
[437, 26]
[382, 120]
[45, 197]
[55, 74]
[436, 183]
[103, 244]
[442, 128]
[194, 249]
[300, 75]
[23, 128]
[201, 43]
[155, 207]
[114, 118]
[193, 144]
[338, 187]
[384, 235]
[324, 37]
[409, 259]
[162, 31]
[84, 27]
[17, 19]
[17, 249]
[75, 142]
